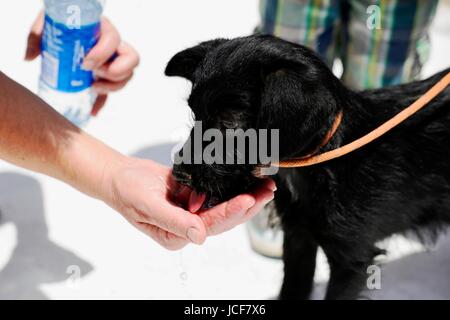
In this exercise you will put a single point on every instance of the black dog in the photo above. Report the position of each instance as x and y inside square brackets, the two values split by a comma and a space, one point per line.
[397, 183]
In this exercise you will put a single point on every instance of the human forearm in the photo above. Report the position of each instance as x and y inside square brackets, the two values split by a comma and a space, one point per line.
[34, 136]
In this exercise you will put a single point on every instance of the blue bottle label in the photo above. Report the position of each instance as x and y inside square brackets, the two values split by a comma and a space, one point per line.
[63, 51]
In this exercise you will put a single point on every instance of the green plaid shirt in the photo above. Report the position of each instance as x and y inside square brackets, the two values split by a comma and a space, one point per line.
[374, 52]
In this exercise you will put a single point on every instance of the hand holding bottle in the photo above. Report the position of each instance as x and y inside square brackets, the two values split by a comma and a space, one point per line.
[110, 75]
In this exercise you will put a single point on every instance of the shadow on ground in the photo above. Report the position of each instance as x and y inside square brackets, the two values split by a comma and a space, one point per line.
[36, 259]
[418, 276]
[424, 275]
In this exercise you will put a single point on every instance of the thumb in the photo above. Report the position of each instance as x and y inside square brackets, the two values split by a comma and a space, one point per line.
[171, 218]
[34, 38]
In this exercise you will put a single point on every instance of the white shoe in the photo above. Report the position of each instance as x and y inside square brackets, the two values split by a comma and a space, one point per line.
[266, 236]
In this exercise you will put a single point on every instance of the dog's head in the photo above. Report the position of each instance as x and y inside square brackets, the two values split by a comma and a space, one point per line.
[256, 82]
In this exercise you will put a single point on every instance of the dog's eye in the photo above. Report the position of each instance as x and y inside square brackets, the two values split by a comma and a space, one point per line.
[227, 119]
[232, 118]
[229, 124]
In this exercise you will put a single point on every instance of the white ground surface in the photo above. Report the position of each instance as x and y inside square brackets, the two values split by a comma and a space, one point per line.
[49, 232]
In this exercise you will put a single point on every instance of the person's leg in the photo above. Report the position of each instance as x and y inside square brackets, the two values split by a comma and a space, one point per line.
[392, 54]
[313, 23]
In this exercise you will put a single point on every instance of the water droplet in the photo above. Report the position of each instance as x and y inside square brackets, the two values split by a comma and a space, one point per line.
[183, 276]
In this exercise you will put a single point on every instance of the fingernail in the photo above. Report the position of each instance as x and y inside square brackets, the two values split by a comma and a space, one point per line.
[194, 236]
[88, 64]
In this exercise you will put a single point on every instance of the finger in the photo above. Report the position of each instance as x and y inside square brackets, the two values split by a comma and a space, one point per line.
[270, 184]
[105, 48]
[238, 210]
[262, 196]
[105, 86]
[122, 66]
[227, 215]
[99, 104]
[34, 38]
[166, 239]
[174, 219]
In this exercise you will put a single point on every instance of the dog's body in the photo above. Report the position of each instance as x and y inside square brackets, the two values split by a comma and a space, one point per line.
[398, 183]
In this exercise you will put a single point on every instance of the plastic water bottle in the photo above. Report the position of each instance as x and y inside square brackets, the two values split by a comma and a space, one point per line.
[71, 29]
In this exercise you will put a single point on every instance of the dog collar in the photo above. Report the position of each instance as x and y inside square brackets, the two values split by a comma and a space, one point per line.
[315, 158]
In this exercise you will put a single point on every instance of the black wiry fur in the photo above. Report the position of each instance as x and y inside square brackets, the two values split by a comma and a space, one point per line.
[400, 182]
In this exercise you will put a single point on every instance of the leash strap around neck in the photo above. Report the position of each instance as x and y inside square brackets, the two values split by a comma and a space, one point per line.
[371, 136]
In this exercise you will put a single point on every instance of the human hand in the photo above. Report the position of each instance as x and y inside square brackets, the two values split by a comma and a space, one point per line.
[36, 137]
[110, 75]
[145, 193]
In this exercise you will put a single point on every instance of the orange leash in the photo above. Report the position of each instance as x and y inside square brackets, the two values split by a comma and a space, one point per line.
[371, 136]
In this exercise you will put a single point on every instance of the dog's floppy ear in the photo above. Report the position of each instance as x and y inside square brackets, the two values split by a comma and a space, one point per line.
[184, 63]
[295, 100]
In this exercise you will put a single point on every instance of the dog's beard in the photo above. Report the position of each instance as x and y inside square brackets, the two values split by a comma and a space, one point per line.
[219, 175]
[218, 183]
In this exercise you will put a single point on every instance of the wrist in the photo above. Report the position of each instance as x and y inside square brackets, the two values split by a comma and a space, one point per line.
[119, 176]
[107, 187]
[87, 164]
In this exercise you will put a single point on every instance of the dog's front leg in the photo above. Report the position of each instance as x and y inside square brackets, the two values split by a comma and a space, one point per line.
[299, 255]
[346, 283]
